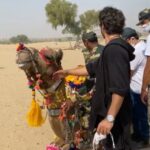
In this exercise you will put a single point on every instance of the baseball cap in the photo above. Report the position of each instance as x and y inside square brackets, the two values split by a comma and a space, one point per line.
[144, 14]
[128, 32]
[89, 35]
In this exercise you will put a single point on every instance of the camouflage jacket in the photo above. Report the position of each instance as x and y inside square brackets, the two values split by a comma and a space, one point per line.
[90, 56]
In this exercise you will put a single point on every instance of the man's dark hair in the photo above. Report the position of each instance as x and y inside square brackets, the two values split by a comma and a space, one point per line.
[112, 19]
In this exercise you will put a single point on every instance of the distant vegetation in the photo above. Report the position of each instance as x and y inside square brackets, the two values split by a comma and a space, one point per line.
[5, 42]
[63, 13]
[63, 39]
[19, 38]
[16, 39]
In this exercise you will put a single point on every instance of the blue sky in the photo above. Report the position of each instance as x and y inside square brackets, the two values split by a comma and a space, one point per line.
[28, 17]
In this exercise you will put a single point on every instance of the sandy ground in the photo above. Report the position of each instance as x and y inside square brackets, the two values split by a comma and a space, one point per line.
[15, 98]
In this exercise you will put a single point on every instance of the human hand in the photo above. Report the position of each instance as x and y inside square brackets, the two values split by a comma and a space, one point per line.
[144, 96]
[104, 127]
[59, 74]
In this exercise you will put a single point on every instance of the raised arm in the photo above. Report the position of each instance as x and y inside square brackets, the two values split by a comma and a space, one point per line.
[88, 70]
[82, 71]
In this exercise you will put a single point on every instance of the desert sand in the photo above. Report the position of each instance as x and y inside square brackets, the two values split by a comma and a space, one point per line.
[15, 98]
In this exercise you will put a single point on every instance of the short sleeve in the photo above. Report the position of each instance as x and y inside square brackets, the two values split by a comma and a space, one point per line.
[91, 67]
[118, 69]
[134, 64]
[147, 52]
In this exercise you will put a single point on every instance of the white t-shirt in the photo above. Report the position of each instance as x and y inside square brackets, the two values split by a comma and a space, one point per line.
[147, 51]
[138, 65]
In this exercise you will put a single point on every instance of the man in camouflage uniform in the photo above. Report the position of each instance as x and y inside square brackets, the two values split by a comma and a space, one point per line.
[93, 48]
[91, 52]
[83, 104]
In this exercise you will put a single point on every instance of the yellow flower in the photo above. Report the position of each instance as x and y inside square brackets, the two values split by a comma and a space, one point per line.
[75, 79]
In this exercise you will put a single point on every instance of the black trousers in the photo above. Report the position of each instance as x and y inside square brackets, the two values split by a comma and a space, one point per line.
[121, 136]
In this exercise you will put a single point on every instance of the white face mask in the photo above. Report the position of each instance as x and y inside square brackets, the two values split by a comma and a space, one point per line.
[131, 42]
[133, 45]
[146, 27]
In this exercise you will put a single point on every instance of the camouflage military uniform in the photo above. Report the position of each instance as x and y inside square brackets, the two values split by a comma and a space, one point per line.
[84, 94]
[84, 106]
[94, 54]
[88, 57]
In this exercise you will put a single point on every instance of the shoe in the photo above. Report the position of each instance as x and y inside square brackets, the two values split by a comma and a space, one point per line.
[144, 144]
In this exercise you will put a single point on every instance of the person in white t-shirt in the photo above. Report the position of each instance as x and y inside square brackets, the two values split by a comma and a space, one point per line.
[144, 22]
[140, 118]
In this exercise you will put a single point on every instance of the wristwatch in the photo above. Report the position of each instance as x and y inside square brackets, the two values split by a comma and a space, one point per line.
[110, 118]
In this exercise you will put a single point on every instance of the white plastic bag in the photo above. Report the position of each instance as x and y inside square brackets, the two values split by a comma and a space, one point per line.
[98, 138]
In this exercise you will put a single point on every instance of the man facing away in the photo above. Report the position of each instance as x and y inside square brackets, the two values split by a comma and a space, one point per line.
[111, 103]
[91, 52]
[140, 117]
[93, 48]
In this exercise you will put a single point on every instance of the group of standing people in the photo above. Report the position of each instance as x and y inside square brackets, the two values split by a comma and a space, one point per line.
[140, 76]
[122, 73]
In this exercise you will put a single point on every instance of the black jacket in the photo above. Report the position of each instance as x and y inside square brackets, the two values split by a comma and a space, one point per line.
[112, 72]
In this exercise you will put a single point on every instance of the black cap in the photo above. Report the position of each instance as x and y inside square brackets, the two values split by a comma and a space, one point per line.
[144, 14]
[89, 35]
[128, 33]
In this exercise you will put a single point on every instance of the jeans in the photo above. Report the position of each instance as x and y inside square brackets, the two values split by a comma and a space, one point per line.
[140, 117]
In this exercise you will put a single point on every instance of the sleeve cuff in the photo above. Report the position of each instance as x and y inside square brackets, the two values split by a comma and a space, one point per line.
[121, 92]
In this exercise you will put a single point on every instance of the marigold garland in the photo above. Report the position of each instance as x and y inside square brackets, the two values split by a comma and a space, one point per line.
[75, 81]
